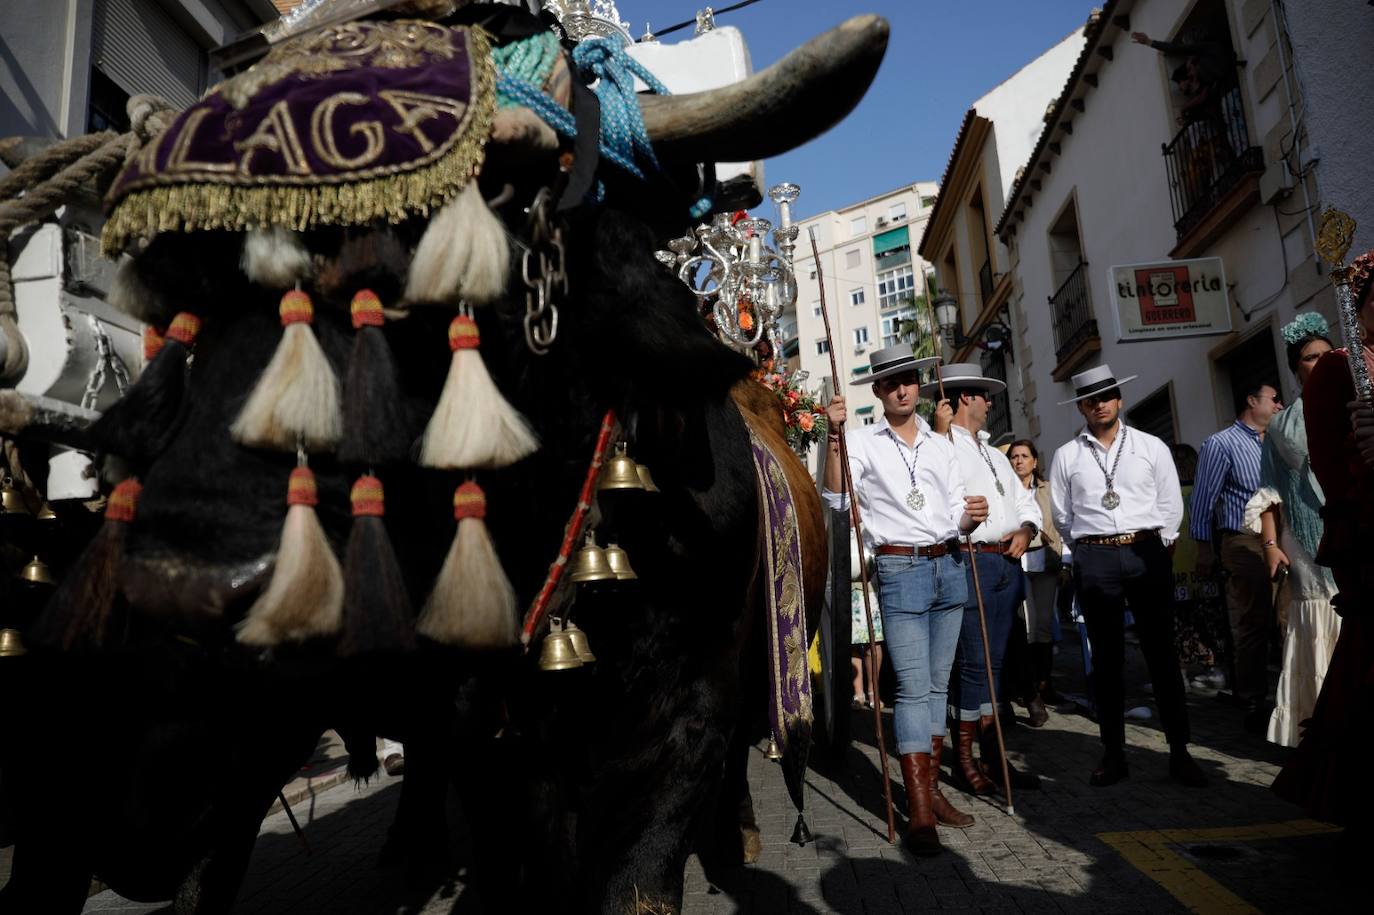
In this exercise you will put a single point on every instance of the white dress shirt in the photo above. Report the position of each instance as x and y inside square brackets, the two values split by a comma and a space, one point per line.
[879, 463]
[1007, 512]
[1146, 480]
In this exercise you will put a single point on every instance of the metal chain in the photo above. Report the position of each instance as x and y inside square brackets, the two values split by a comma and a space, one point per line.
[107, 358]
[544, 271]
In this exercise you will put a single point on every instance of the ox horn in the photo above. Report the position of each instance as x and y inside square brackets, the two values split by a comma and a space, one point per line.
[776, 110]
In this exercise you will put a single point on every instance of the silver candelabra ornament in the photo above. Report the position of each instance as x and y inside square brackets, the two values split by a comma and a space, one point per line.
[747, 284]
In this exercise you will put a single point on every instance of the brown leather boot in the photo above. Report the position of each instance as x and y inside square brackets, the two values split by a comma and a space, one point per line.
[921, 837]
[990, 758]
[971, 778]
[946, 814]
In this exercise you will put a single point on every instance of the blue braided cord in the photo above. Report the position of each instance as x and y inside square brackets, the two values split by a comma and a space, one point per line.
[622, 124]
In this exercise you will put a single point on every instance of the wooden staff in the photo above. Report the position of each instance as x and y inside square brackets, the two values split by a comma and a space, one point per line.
[863, 560]
[978, 595]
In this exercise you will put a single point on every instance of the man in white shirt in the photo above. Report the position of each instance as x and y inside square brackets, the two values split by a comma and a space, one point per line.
[913, 508]
[1013, 522]
[1117, 503]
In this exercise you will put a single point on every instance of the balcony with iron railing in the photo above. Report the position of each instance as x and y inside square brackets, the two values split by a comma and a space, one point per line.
[1213, 171]
[1075, 328]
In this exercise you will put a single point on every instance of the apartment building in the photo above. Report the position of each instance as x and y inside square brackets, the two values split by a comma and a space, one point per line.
[873, 286]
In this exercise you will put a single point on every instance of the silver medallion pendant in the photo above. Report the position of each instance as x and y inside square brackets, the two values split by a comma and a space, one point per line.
[1110, 499]
[1000, 490]
[916, 499]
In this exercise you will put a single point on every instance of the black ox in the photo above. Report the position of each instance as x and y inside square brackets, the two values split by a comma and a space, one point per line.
[584, 791]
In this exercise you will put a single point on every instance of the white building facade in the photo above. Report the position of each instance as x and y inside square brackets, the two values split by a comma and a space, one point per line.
[872, 283]
[971, 264]
[1172, 245]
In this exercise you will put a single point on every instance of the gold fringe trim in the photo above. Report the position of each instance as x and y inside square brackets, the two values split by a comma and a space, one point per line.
[394, 198]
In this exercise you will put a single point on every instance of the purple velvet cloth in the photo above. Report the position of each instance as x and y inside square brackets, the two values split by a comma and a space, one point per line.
[333, 106]
[789, 675]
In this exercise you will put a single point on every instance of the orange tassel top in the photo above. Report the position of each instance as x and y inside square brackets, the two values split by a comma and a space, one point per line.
[367, 497]
[366, 309]
[184, 329]
[462, 334]
[296, 308]
[469, 502]
[123, 503]
[301, 490]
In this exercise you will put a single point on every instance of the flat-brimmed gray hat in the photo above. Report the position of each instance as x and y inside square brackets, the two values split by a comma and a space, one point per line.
[963, 375]
[1094, 381]
[893, 360]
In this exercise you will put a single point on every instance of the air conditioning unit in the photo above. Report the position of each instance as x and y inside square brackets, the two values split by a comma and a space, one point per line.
[882, 221]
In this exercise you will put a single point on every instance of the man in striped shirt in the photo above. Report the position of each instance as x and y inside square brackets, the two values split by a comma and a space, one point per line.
[1228, 474]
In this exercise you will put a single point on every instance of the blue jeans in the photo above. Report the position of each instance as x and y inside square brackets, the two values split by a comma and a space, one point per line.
[1003, 586]
[922, 601]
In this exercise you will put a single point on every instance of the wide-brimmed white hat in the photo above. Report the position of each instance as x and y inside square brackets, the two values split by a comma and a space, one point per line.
[963, 375]
[894, 360]
[1094, 381]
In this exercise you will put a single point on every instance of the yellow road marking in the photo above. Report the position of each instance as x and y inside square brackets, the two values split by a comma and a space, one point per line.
[1149, 852]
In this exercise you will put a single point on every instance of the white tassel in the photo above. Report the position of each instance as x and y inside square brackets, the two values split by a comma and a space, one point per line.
[463, 253]
[132, 296]
[473, 425]
[472, 604]
[305, 596]
[296, 400]
[275, 258]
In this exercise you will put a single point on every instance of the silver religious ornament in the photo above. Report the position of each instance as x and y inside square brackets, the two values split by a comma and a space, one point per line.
[595, 19]
[746, 283]
[916, 499]
[1335, 233]
[1110, 500]
[1000, 490]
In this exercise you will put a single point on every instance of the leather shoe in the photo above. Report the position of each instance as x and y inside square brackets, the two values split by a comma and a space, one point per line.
[1111, 770]
[1184, 770]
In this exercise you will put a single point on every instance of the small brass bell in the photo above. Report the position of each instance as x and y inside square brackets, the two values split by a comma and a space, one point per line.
[578, 638]
[646, 479]
[773, 751]
[620, 472]
[37, 572]
[559, 652]
[12, 500]
[45, 514]
[11, 645]
[590, 563]
[619, 561]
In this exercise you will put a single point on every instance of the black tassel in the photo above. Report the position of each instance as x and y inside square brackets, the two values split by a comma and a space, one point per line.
[141, 425]
[79, 612]
[375, 429]
[377, 613]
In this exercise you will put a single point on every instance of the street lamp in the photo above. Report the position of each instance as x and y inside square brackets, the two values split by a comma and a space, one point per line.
[946, 314]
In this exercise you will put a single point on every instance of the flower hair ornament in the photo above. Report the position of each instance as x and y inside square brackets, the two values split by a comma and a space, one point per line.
[1308, 324]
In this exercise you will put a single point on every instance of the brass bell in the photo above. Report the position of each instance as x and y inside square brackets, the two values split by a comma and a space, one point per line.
[45, 514]
[11, 645]
[12, 500]
[619, 561]
[578, 638]
[620, 472]
[590, 563]
[646, 479]
[773, 751]
[559, 652]
[37, 572]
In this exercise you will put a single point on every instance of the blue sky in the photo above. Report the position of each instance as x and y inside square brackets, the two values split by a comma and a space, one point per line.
[941, 57]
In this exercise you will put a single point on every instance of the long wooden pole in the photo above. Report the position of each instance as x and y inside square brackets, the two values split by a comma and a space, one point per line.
[978, 596]
[863, 560]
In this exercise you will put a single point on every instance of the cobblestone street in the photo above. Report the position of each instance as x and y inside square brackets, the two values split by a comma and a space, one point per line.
[1144, 845]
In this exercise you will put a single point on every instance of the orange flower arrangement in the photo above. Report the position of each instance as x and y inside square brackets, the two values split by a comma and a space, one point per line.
[802, 414]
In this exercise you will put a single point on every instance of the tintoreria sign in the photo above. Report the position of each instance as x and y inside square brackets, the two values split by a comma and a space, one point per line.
[1185, 298]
